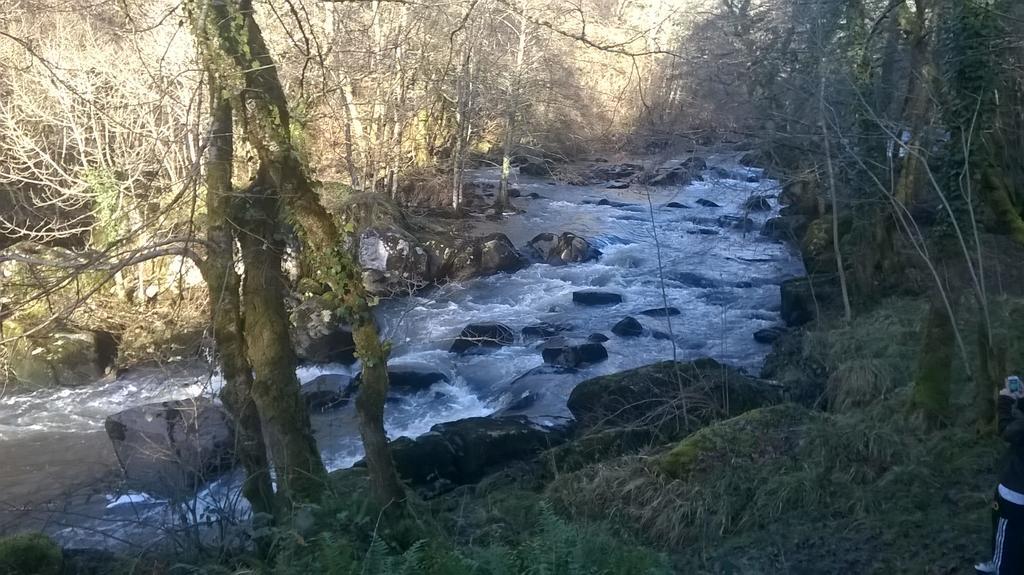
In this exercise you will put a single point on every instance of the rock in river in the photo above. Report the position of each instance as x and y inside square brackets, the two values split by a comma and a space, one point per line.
[326, 391]
[707, 203]
[661, 312]
[560, 250]
[462, 452]
[593, 297]
[168, 449]
[482, 335]
[628, 327]
[558, 351]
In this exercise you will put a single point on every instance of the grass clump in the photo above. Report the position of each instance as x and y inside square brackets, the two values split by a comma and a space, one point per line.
[553, 547]
[873, 475]
[30, 554]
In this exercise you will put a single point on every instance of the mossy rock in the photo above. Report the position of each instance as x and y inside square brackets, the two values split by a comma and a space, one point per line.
[670, 399]
[30, 554]
[760, 434]
[62, 359]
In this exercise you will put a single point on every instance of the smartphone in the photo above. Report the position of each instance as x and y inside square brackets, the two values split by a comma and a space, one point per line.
[1013, 384]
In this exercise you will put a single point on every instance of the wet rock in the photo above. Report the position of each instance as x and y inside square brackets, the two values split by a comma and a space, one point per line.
[650, 396]
[677, 205]
[694, 280]
[464, 451]
[319, 336]
[802, 297]
[560, 250]
[597, 338]
[757, 204]
[658, 334]
[768, 335]
[558, 351]
[594, 297]
[479, 257]
[737, 223]
[326, 392]
[409, 378]
[707, 203]
[520, 404]
[168, 449]
[786, 228]
[752, 178]
[63, 358]
[661, 312]
[671, 177]
[393, 261]
[617, 185]
[543, 330]
[534, 196]
[614, 204]
[615, 172]
[482, 335]
[538, 168]
[628, 327]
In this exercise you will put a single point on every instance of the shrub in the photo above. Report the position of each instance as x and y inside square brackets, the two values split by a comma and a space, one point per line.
[30, 554]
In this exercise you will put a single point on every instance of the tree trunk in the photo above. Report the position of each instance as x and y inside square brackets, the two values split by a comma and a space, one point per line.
[934, 363]
[225, 308]
[283, 178]
[299, 471]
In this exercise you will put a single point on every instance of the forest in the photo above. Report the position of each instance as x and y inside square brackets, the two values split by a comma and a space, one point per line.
[488, 287]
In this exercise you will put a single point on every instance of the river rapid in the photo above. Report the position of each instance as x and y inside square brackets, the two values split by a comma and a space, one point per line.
[724, 280]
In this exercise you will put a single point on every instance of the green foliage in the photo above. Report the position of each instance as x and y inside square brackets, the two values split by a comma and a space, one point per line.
[30, 554]
[106, 193]
[740, 479]
[555, 547]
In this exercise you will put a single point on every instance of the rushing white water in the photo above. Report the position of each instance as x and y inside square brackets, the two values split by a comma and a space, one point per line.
[726, 286]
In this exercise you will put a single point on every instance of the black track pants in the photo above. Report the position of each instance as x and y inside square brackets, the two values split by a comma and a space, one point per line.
[1009, 537]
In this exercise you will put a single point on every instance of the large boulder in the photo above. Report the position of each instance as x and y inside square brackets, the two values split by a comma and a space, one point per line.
[326, 392]
[318, 335]
[63, 358]
[169, 449]
[478, 257]
[559, 351]
[595, 297]
[464, 451]
[482, 335]
[393, 261]
[560, 250]
[672, 398]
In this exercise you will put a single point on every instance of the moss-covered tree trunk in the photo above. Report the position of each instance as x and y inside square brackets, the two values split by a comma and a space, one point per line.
[283, 178]
[225, 308]
[299, 470]
[932, 383]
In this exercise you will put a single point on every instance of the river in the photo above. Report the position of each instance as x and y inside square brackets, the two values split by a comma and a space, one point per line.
[725, 282]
